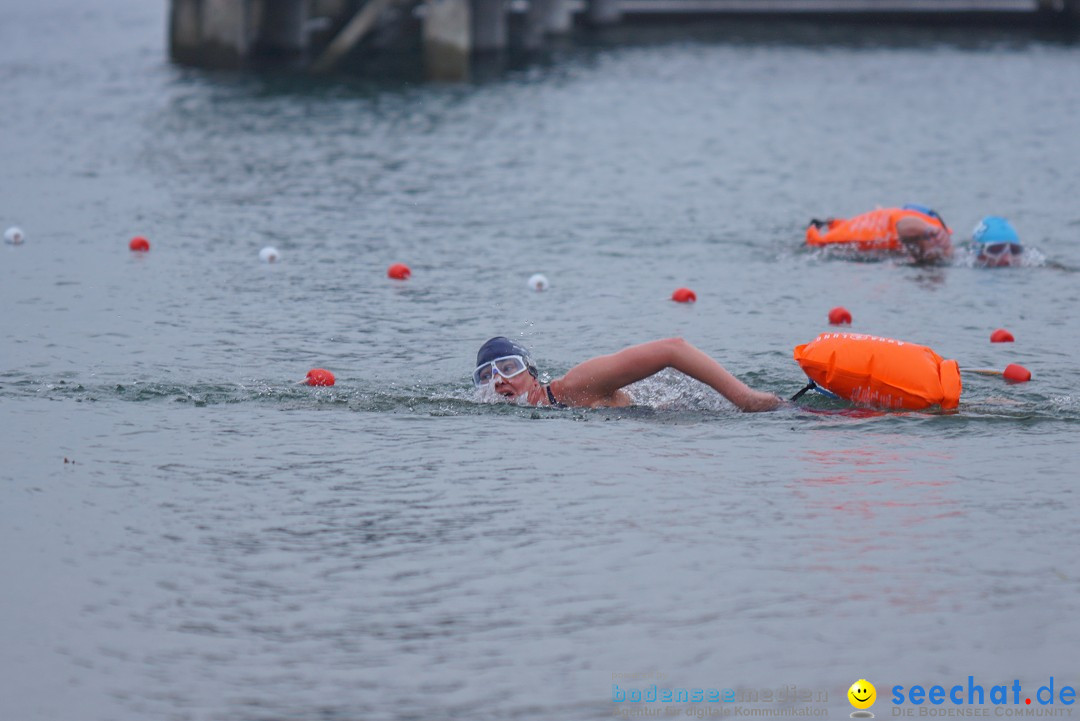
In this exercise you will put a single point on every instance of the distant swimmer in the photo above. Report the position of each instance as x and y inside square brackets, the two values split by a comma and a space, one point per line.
[916, 230]
[996, 243]
[507, 368]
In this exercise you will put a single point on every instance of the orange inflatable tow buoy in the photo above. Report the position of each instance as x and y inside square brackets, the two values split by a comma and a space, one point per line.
[875, 230]
[880, 372]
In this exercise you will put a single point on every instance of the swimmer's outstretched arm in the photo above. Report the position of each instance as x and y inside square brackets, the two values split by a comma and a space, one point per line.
[925, 243]
[598, 379]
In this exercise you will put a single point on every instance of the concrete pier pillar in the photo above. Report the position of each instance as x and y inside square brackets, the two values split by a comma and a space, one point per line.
[282, 26]
[226, 30]
[536, 24]
[604, 12]
[447, 39]
[490, 31]
[1060, 11]
[184, 33]
[215, 33]
[560, 19]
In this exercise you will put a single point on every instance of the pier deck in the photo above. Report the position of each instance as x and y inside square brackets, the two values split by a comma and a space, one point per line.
[321, 33]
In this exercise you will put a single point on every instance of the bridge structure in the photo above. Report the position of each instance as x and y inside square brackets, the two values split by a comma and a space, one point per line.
[319, 35]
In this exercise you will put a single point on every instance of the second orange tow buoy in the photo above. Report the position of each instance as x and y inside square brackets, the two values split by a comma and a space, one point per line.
[398, 271]
[139, 244]
[880, 372]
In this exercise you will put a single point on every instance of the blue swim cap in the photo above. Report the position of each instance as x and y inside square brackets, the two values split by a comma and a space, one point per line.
[926, 210]
[500, 346]
[994, 229]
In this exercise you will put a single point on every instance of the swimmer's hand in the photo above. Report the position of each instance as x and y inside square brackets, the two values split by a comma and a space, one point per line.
[761, 402]
[925, 243]
[924, 251]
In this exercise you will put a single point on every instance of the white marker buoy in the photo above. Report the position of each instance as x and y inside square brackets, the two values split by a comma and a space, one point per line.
[14, 236]
[538, 282]
[269, 254]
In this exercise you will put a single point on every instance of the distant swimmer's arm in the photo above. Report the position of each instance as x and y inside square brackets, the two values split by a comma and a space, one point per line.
[927, 243]
[598, 379]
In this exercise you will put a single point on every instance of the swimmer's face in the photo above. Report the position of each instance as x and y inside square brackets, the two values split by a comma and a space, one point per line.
[513, 388]
[999, 255]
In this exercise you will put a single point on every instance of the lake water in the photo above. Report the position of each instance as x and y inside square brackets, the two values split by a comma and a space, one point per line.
[187, 533]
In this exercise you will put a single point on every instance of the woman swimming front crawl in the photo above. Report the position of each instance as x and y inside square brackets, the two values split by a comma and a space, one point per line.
[508, 369]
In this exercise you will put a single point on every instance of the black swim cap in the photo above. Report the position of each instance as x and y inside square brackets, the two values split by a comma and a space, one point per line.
[500, 346]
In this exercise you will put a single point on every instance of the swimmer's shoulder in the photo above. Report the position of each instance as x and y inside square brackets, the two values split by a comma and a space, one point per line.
[557, 394]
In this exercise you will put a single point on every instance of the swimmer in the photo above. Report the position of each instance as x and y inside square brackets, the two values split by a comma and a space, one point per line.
[913, 229]
[996, 243]
[508, 369]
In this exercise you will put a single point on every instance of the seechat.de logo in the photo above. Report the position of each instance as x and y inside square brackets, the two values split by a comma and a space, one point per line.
[1010, 700]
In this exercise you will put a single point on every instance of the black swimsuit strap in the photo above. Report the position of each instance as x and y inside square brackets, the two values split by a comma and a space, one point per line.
[551, 398]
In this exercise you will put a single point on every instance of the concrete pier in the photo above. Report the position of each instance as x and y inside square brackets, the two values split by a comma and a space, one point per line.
[559, 17]
[825, 7]
[536, 24]
[604, 12]
[215, 33]
[489, 24]
[282, 27]
[227, 33]
[447, 40]
[230, 33]
[354, 31]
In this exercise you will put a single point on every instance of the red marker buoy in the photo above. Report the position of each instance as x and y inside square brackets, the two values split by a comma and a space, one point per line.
[1016, 373]
[398, 271]
[140, 244]
[319, 377]
[1001, 336]
[684, 295]
[839, 316]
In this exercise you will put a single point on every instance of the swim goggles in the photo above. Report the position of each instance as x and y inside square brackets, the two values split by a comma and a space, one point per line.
[996, 249]
[507, 366]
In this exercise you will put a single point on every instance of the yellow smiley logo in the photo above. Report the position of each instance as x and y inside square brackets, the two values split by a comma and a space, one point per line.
[862, 694]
